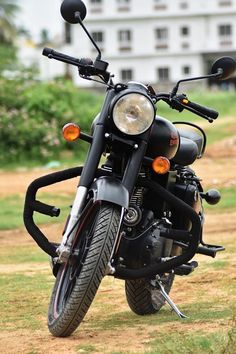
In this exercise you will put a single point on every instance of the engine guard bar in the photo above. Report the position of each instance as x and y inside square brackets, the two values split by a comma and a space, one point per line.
[194, 239]
[31, 205]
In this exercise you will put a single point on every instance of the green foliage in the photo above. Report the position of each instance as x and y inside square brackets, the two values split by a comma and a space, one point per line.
[7, 55]
[8, 8]
[32, 115]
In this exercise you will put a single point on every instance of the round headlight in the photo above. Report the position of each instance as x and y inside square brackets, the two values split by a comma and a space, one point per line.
[133, 114]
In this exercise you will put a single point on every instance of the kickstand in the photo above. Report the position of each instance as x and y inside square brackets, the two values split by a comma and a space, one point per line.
[168, 299]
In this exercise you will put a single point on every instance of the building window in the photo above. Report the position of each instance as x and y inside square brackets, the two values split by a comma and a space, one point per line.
[225, 30]
[184, 31]
[126, 75]
[96, 6]
[125, 38]
[186, 70]
[160, 4]
[225, 3]
[162, 35]
[225, 35]
[183, 5]
[163, 74]
[68, 38]
[98, 37]
[123, 5]
[185, 45]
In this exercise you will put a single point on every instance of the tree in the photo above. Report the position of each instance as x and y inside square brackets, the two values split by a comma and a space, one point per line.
[8, 32]
[8, 8]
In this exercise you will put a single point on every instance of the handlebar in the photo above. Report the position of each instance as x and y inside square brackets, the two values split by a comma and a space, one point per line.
[89, 68]
[181, 102]
[209, 112]
[86, 66]
[52, 54]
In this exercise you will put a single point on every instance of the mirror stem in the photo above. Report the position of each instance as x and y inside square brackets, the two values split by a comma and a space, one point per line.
[77, 16]
[216, 75]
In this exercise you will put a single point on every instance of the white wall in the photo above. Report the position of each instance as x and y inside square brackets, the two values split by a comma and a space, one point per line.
[201, 16]
[36, 15]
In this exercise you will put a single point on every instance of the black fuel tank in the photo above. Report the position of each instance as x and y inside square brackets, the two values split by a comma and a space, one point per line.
[164, 139]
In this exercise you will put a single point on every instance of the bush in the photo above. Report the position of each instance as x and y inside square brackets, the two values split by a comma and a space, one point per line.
[33, 113]
[8, 56]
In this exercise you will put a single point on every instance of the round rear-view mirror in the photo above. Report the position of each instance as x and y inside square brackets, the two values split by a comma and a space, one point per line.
[70, 7]
[226, 66]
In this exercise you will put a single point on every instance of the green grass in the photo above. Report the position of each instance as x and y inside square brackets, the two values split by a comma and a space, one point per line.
[85, 348]
[12, 207]
[216, 134]
[227, 202]
[11, 211]
[25, 299]
[210, 308]
[188, 342]
[27, 254]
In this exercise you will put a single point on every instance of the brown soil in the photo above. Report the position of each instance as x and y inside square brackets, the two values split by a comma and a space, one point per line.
[135, 338]
[216, 170]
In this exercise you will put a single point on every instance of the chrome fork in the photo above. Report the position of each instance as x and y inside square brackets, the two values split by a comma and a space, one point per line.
[63, 250]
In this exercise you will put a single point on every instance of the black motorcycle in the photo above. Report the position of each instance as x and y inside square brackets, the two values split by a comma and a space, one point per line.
[138, 214]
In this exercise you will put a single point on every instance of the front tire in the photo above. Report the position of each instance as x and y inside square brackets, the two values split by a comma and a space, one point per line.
[78, 280]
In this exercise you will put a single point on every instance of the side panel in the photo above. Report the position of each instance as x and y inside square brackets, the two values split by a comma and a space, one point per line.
[111, 190]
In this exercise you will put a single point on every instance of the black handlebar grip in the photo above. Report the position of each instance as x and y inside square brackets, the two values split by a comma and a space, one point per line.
[47, 51]
[210, 113]
[53, 54]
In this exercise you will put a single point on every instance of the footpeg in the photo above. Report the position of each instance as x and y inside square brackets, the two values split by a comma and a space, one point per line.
[209, 250]
[169, 301]
[186, 269]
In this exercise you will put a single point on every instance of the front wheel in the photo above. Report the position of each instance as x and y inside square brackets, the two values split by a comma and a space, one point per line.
[78, 280]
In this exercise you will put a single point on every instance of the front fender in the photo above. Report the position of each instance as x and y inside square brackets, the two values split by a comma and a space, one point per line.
[111, 190]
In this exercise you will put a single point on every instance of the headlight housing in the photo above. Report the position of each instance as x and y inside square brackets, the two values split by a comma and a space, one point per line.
[133, 113]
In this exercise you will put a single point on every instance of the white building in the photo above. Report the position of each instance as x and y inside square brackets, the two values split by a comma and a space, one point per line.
[154, 41]
[37, 17]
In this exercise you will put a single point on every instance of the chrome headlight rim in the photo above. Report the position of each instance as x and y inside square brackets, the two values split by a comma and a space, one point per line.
[151, 107]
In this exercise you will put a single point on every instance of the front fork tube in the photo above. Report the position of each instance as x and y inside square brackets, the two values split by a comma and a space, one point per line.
[110, 269]
[133, 167]
[86, 179]
[63, 250]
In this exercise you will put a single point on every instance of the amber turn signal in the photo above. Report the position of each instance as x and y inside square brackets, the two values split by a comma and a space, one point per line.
[161, 165]
[71, 132]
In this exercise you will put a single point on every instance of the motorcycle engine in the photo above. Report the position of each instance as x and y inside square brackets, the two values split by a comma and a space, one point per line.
[143, 245]
[188, 189]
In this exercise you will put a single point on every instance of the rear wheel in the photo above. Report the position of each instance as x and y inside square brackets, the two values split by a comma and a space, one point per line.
[143, 298]
[78, 280]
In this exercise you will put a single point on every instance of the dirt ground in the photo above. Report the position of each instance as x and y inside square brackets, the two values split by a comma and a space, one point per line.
[217, 169]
